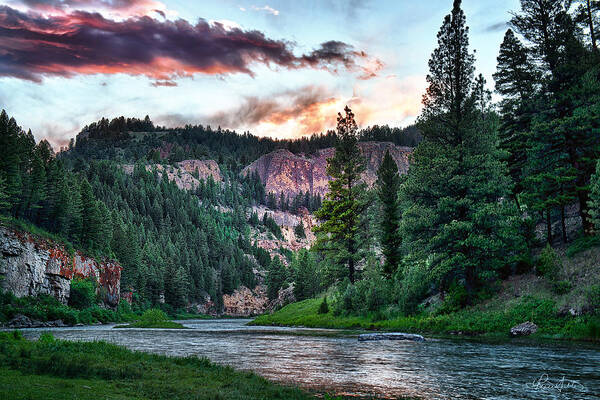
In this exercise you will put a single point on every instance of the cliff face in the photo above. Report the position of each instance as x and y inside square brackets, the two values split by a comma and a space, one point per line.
[283, 171]
[30, 266]
[187, 174]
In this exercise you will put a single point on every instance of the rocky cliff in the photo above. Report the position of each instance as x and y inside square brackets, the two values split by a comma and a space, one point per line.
[30, 266]
[186, 174]
[283, 171]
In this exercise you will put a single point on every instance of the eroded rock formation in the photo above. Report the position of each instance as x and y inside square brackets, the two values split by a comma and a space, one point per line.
[283, 171]
[30, 266]
[187, 174]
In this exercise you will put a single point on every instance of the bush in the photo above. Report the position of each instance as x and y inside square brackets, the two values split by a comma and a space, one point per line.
[83, 293]
[323, 307]
[583, 243]
[413, 288]
[562, 287]
[593, 299]
[154, 315]
[548, 264]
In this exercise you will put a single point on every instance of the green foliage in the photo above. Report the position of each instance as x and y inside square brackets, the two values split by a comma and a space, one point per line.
[299, 230]
[306, 277]
[594, 202]
[582, 244]
[82, 293]
[276, 277]
[338, 234]
[548, 263]
[323, 307]
[593, 298]
[154, 315]
[562, 287]
[91, 370]
[388, 186]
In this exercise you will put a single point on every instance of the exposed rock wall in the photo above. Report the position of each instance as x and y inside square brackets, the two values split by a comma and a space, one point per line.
[283, 171]
[187, 174]
[30, 266]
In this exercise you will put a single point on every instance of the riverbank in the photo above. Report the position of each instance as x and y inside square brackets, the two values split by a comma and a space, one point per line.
[52, 369]
[472, 321]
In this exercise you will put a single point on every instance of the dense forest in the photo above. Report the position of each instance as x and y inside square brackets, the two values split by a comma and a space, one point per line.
[482, 180]
[483, 177]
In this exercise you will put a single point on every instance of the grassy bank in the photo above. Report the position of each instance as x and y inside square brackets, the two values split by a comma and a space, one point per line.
[470, 321]
[153, 318]
[51, 369]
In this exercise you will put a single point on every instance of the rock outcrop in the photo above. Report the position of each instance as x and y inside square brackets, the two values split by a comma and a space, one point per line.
[30, 266]
[367, 337]
[283, 171]
[524, 329]
[187, 174]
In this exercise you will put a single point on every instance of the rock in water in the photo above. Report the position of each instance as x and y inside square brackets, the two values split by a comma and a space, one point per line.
[524, 329]
[390, 336]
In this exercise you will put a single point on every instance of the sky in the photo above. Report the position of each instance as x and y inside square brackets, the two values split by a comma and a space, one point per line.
[274, 68]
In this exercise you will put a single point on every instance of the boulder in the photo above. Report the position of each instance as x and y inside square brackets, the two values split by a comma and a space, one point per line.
[524, 329]
[366, 337]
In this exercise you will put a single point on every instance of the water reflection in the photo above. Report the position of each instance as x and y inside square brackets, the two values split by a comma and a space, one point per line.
[436, 369]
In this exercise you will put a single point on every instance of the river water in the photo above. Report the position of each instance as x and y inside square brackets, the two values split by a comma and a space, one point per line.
[316, 359]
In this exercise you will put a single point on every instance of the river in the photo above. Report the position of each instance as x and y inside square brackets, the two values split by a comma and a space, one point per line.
[319, 359]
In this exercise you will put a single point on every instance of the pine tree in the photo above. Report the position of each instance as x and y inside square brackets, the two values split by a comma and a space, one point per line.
[4, 204]
[305, 275]
[454, 212]
[340, 214]
[388, 186]
[275, 278]
[516, 82]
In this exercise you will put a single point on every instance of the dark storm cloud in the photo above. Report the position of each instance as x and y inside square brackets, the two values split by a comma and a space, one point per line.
[33, 46]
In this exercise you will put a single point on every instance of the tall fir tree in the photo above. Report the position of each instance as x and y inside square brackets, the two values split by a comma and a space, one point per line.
[453, 196]
[338, 234]
[388, 187]
[516, 82]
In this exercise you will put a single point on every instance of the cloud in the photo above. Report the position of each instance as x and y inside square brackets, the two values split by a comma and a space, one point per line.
[266, 8]
[116, 7]
[167, 83]
[305, 107]
[33, 46]
[497, 27]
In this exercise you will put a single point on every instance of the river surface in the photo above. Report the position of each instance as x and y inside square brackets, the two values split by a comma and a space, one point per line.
[316, 359]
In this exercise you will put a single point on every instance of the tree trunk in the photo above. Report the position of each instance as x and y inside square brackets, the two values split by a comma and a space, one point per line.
[591, 23]
[351, 269]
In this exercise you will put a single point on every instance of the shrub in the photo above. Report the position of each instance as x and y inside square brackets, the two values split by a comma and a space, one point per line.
[154, 315]
[582, 243]
[413, 288]
[323, 307]
[83, 293]
[548, 264]
[562, 287]
[593, 299]
[299, 231]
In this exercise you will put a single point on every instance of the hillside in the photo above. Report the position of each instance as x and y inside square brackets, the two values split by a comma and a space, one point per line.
[291, 174]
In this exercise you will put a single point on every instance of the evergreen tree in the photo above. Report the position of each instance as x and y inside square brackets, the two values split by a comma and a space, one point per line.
[4, 204]
[388, 187]
[276, 276]
[339, 231]
[516, 82]
[454, 212]
[305, 275]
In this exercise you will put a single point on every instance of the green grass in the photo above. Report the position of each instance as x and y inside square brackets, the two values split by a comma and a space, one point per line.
[51, 369]
[470, 321]
[152, 324]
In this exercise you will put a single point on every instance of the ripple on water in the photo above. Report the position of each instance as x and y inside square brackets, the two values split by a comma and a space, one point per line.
[436, 369]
